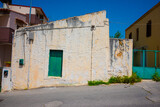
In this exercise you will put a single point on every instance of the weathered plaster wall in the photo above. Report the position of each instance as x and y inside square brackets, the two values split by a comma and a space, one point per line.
[121, 57]
[85, 51]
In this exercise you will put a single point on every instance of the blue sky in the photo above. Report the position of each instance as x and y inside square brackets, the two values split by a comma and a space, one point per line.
[121, 13]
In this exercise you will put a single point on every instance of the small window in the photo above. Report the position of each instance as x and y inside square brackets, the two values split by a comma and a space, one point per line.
[130, 36]
[37, 14]
[137, 32]
[148, 31]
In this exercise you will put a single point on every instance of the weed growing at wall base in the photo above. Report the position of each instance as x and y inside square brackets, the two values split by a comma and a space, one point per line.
[134, 78]
[156, 77]
[93, 83]
[125, 79]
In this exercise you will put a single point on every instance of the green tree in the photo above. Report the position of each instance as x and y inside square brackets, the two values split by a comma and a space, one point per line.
[117, 35]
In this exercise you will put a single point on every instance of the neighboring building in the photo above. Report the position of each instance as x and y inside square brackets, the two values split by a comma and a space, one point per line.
[145, 33]
[67, 52]
[37, 14]
[13, 17]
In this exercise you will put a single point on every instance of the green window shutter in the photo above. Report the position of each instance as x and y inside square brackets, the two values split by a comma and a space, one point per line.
[55, 63]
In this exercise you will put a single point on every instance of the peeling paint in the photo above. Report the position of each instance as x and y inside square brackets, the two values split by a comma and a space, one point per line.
[121, 57]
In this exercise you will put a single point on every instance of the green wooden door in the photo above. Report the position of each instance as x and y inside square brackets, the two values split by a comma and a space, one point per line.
[55, 63]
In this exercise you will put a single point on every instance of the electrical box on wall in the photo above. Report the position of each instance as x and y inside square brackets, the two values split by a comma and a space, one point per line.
[21, 61]
[31, 35]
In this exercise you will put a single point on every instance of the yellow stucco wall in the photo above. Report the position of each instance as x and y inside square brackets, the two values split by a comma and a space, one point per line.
[85, 52]
[149, 43]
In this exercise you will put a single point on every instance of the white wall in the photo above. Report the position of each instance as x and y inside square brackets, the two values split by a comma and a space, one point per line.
[85, 52]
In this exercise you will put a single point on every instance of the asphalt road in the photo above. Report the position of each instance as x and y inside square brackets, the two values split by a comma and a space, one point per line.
[82, 96]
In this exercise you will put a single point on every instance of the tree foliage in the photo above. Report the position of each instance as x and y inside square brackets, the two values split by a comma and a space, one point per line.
[117, 35]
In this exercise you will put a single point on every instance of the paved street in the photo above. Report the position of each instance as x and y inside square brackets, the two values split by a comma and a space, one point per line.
[85, 96]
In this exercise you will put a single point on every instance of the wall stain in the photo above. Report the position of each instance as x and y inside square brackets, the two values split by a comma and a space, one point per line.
[74, 22]
[119, 54]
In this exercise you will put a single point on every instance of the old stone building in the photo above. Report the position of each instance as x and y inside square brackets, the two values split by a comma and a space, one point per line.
[71, 51]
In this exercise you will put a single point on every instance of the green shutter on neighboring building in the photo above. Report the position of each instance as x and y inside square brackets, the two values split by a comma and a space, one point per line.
[55, 63]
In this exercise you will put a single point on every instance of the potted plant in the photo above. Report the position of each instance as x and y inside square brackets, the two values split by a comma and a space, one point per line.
[8, 64]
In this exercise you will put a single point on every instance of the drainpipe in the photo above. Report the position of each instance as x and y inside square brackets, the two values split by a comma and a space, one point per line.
[91, 56]
[92, 29]
[30, 50]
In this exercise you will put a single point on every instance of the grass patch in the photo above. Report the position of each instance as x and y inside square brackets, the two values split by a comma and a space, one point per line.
[134, 78]
[93, 83]
[124, 79]
[156, 77]
[26, 89]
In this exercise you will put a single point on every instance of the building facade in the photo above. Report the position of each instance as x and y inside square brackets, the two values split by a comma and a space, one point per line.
[37, 14]
[13, 17]
[145, 33]
[64, 52]
[68, 52]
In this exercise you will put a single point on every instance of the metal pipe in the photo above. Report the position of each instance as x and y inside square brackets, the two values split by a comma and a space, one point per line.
[146, 50]
[144, 59]
[30, 13]
[155, 59]
[91, 56]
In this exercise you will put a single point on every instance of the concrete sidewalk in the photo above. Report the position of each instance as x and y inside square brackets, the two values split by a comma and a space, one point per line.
[151, 87]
